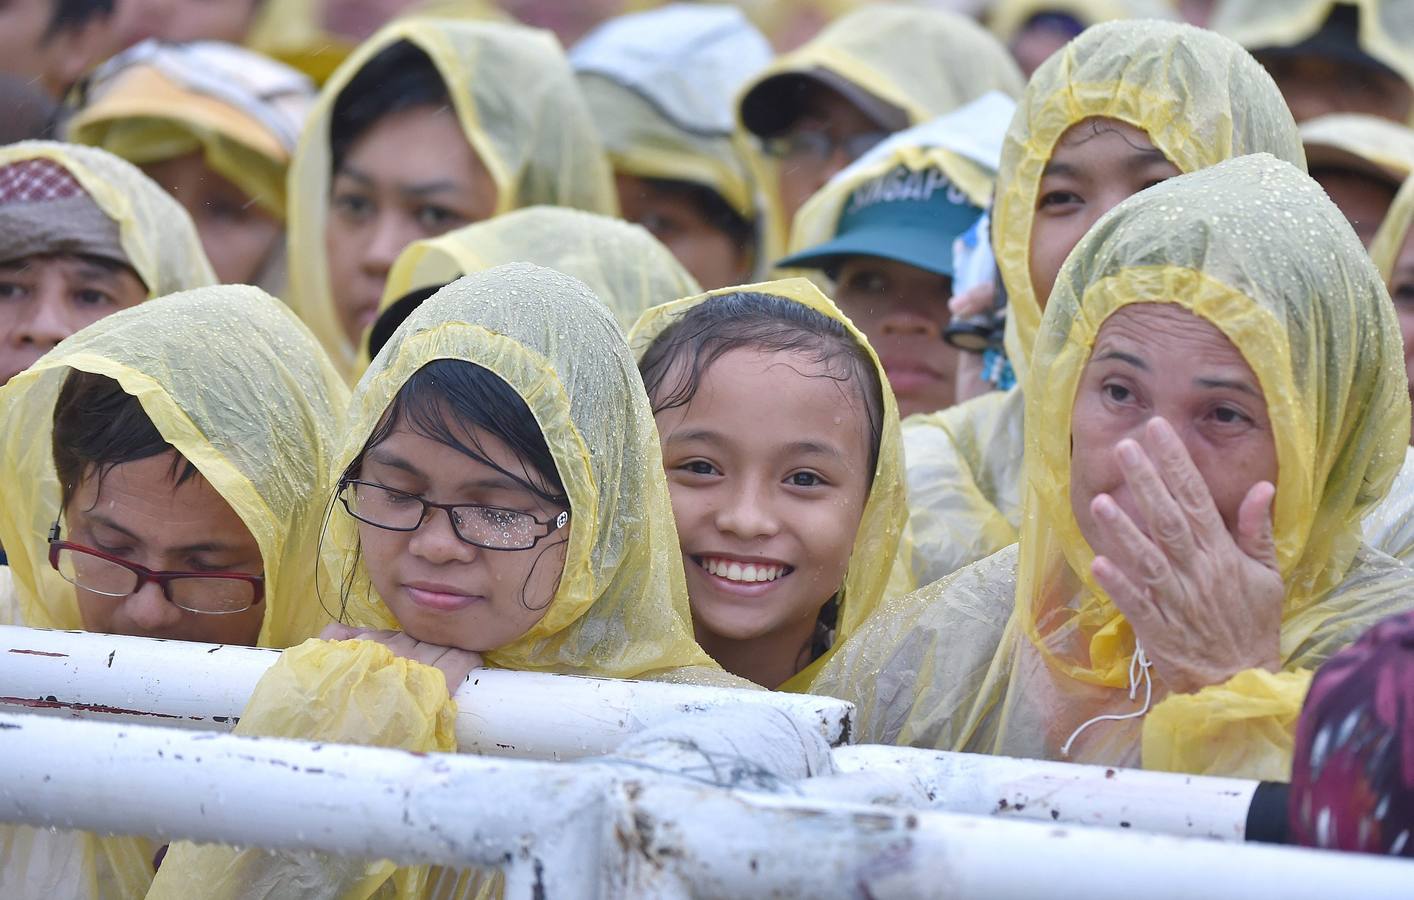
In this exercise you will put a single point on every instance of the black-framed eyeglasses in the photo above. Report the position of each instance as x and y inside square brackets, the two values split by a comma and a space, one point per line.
[488, 527]
[817, 146]
[209, 593]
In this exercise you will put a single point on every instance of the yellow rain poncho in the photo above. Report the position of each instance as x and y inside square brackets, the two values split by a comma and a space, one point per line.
[924, 62]
[1394, 231]
[878, 564]
[292, 31]
[1008, 17]
[1378, 146]
[624, 265]
[1201, 99]
[518, 105]
[660, 86]
[621, 608]
[156, 234]
[242, 390]
[1012, 654]
[242, 112]
[1386, 27]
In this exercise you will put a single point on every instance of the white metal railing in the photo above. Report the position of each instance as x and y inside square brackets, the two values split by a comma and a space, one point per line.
[206, 686]
[637, 824]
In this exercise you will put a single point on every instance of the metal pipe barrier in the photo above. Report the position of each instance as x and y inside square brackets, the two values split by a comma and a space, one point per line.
[642, 824]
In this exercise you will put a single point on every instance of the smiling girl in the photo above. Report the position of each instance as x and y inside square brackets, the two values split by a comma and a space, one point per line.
[501, 503]
[781, 444]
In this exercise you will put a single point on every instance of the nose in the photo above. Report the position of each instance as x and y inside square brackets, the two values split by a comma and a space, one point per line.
[437, 543]
[47, 323]
[149, 609]
[909, 323]
[748, 513]
[391, 235]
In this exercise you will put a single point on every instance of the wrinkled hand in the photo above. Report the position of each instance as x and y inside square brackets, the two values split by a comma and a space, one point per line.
[453, 663]
[1204, 603]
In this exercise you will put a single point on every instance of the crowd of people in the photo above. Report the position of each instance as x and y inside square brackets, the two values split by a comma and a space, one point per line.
[1034, 375]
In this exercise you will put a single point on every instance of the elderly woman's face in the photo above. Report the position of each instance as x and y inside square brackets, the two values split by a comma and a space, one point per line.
[1153, 359]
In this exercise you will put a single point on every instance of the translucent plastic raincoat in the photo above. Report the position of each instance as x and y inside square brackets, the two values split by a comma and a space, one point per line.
[1360, 142]
[519, 107]
[1386, 27]
[241, 389]
[660, 86]
[624, 265]
[1012, 654]
[1394, 231]
[241, 111]
[878, 561]
[157, 235]
[621, 608]
[1009, 17]
[925, 62]
[1201, 99]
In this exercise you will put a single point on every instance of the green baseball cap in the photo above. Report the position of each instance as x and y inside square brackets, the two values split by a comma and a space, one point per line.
[904, 215]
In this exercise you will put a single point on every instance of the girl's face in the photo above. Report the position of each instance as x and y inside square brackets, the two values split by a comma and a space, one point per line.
[768, 467]
[1095, 166]
[442, 589]
[412, 176]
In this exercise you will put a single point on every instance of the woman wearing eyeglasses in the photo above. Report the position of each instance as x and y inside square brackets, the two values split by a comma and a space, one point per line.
[166, 472]
[501, 502]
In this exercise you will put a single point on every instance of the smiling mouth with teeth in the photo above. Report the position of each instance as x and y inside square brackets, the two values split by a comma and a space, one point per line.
[746, 573]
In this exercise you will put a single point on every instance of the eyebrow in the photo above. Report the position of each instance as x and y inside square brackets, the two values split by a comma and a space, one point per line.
[1231, 384]
[813, 448]
[1120, 355]
[417, 189]
[696, 434]
[490, 482]
[205, 547]
[1063, 169]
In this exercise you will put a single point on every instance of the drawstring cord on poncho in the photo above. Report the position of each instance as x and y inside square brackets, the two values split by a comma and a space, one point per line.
[1138, 669]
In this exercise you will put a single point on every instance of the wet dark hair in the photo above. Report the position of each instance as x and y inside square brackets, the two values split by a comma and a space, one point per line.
[399, 77]
[747, 319]
[447, 398]
[714, 210]
[72, 15]
[97, 426]
[395, 315]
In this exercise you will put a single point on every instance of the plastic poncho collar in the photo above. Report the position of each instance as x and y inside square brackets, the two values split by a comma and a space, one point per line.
[621, 263]
[518, 105]
[240, 388]
[660, 85]
[1281, 274]
[925, 62]
[1386, 28]
[1009, 17]
[157, 236]
[1200, 97]
[879, 540]
[621, 607]
[242, 111]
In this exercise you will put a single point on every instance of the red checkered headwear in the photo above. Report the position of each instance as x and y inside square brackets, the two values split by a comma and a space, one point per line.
[37, 180]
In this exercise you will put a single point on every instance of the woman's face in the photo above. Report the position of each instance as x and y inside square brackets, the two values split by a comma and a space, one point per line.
[903, 310]
[768, 468]
[411, 176]
[1158, 359]
[1096, 165]
[179, 21]
[237, 235]
[706, 251]
[442, 589]
[1401, 288]
[137, 512]
[829, 134]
